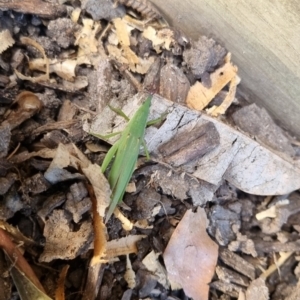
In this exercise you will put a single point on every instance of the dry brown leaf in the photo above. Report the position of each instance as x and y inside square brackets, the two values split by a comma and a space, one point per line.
[246, 164]
[131, 57]
[44, 77]
[122, 31]
[79, 83]
[23, 156]
[135, 64]
[61, 159]
[160, 39]
[58, 234]
[116, 53]
[167, 35]
[144, 64]
[86, 41]
[113, 39]
[135, 23]
[152, 264]
[6, 40]
[100, 186]
[221, 109]
[70, 155]
[63, 68]
[123, 35]
[191, 256]
[200, 96]
[94, 148]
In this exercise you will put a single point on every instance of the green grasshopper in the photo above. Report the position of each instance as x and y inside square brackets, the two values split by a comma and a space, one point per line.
[125, 153]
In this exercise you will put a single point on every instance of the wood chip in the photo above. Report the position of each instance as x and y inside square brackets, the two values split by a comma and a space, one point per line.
[200, 96]
[237, 263]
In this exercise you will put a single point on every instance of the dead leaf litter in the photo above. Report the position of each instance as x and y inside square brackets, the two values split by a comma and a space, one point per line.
[212, 215]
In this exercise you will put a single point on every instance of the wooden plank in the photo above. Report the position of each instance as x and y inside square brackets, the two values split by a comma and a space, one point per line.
[263, 37]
